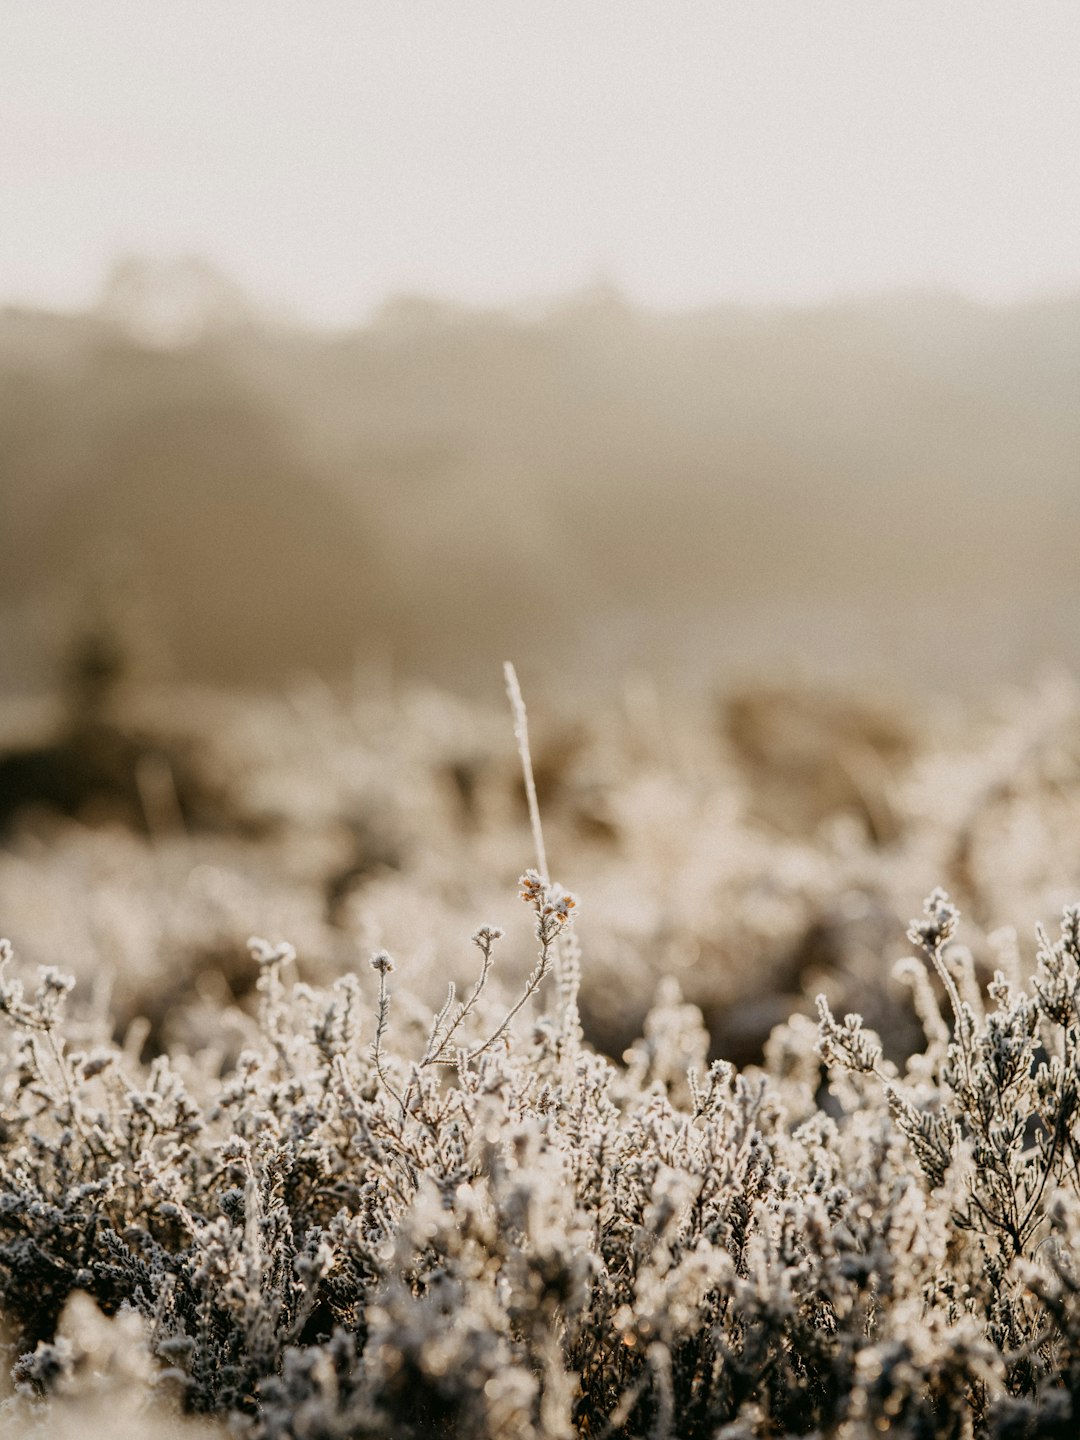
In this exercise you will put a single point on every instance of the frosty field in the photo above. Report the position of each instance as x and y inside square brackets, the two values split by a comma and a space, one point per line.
[626, 1186]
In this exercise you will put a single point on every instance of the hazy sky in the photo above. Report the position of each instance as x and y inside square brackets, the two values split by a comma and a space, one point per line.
[330, 152]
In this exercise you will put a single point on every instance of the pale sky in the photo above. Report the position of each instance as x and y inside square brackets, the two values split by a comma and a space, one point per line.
[328, 153]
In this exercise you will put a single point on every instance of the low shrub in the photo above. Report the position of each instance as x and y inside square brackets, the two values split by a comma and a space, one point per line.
[478, 1227]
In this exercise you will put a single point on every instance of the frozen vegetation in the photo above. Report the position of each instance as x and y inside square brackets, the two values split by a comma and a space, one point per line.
[599, 1173]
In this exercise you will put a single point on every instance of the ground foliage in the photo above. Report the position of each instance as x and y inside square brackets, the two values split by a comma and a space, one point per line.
[505, 1234]
[351, 1209]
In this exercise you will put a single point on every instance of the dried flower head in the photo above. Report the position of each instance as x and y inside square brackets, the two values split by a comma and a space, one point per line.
[531, 887]
[940, 924]
[486, 936]
[382, 962]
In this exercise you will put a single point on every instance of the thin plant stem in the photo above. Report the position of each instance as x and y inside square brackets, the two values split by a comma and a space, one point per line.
[521, 733]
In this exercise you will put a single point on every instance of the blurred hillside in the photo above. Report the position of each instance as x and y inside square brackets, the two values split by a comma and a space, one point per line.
[871, 489]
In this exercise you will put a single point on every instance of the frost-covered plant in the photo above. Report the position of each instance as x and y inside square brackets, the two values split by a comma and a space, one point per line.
[486, 1229]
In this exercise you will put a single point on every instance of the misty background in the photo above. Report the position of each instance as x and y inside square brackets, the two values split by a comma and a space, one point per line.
[699, 340]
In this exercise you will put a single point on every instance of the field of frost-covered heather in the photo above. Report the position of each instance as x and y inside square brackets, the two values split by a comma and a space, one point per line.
[326, 1110]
